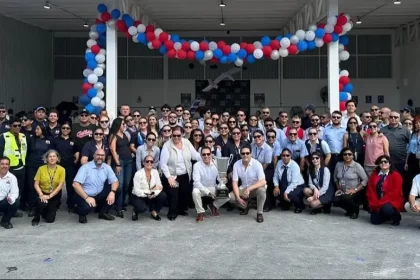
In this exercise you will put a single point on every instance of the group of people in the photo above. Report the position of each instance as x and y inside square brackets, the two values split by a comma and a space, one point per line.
[351, 160]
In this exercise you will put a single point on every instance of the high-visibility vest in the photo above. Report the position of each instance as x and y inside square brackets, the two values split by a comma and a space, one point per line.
[11, 149]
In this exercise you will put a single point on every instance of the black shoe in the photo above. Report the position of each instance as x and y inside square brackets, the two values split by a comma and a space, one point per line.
[183, 213]
[71, 210]
[18, 215]
[354, 216]
[7, 225]
[315, 211]
[298, 211]
[82, 219]
[35, 221]
[31, 213]
[172, 218]
[106, 216]
[119, 214]
[156, 218]
[267, 209]
[395, 223]
[134, 216]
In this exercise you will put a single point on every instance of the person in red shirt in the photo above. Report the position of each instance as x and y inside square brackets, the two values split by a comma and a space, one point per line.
[296, 123]
[384, 193]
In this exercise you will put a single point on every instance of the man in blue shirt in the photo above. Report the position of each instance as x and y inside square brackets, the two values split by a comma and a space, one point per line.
[333, 135]
[297, 147]
[92, 190]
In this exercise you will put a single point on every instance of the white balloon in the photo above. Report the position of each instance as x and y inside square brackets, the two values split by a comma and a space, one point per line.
[92, 79]
[93, 27]
[111, 23]
[91, 43]
[102, 66]
[195, 46]
[285, 42]
[102, 104]
[347, 27]
[93, 35]
[329, 28]
[312, 27]
[212, 45]
[100, 94]
[340, 47]
[135, 40]
[87, 72]
[301, 34]
[348, 96]
[347, 16]
[275, 55]
[98, 71]
[319, 42]
[332, 20]
[158, 31]
[283, 52]
[98, 86]
[177, 46]
[102, 51]
[310, 35]
[132, 30]
[258, 53]
[239, 62]
[294, 40]
[234, 48]
[208, 55]
[100, 58]
[149, 45]
[88, 50]
[141, 28]
[96, 101]
[258, 45]
[344, 73]
[344, 55]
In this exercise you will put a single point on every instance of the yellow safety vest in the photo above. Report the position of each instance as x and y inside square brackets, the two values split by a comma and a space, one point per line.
[11, 149]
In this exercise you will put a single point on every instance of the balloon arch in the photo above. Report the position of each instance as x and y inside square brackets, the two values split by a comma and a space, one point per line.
[174, 46]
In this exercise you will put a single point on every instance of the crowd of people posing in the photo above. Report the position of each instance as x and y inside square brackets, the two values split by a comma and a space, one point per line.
[369, 160]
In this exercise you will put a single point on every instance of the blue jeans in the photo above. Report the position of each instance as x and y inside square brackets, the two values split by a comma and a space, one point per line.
[124, 179]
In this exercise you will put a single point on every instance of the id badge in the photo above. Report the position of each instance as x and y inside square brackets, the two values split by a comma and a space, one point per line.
[51, 188]
[343, 184]
[355, 155]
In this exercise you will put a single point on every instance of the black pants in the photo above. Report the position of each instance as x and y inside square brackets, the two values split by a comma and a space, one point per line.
[8, 210]
[47, 210]
[141, 204]
[178, 198]
[333, 163]
[83, 207]
[30, 189]
[350, 203]
[385, 213]
[20, 176]
[70, 174]
[295, 197]
[270, 201]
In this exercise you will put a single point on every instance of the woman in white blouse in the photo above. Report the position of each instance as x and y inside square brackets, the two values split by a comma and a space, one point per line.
[147, 191]
[149, 149]
[175, 163]
[320, 191]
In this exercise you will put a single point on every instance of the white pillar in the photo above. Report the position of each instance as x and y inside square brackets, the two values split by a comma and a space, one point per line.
[111, 72]
[333, 65]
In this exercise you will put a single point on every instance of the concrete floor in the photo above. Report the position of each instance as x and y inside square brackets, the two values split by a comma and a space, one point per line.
[286, 245]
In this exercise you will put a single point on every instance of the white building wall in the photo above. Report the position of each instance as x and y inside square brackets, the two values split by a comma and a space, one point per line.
[409, 78]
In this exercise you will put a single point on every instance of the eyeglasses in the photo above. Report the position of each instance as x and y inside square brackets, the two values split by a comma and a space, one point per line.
[136, 116]
[368, 117]
[93, 118]
[2, 111]
[373, 126]
[209, 141]
[176, 135]
[292, 134]
[142, 122]
[65, 127]
[187, 127]
[206, 154]
[104, 121]
[383, 162]
[84, 115]
[209, 123]
[375, 109]
[225, 116]
[336, 117]
[232, 121]
[313, 133]
[167, 130]
[347, 154]
[215, 119]
[266, 113]
[352, 122]
[408, 123]
[245, 154]
[253, 120]
[283, 116]
[99, 134]
[198, 135]
[179, 110]
[165, 110]
[257, 136]
[393, 117]
[315, 120]
[24, 120]
[151, 139]
[295, 121]
[224, 128]
[236, 133]
[17, 125]
[268, 125]
[285, 155]
[149, 161]
[245, 130]
[315, 158]
[271, 136]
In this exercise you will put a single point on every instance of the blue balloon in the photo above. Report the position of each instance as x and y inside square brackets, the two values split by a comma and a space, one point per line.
[86, 80]
[319, 32]
[162, 50]
[278, 38]
[199, 55]
[217, 53]
[288, 35]
[97, 110]
[223, 59]
[92, 64]
[92, 92]
[175, 38]
[343, 96]
[311, 45]
[84, 100]
[242, 53]
[102, 8]
[344, 40]
[90, 108]
[232, 57]
[335, 37]
[265, 41]
[182, 41]
[89, 56]
[115, 14]
[141, 37]
[102, 79]
[101, 28]
[250, 59]
[302, 46]
[129, 22]
[125, 17]
[348, 88]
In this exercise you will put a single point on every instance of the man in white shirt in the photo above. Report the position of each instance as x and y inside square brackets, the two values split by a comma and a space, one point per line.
[205, 174]
[351, 108]
[413, 204]
[251, 173]
[9, 192]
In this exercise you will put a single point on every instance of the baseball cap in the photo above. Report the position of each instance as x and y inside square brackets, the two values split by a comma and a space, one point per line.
[40, 108]
[84, 111]
[405, 109]
[310, 107]
[152, 108]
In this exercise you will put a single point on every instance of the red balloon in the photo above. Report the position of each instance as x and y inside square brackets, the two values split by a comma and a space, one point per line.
[204, 46]
[150, 28]
[150, 36]
[243, 45]
[137, 23]
[344, 80]
[171, 53]
[327, 38]
[226, 49]
[128, 35]
[341, 20]
[105, 16]
[121, 25]
[341, 87]
[275, 45]
[267, 50]
[163, 37]
[182, 54]
[338, 29]
[185, 46]
[321, 25]
[191, 55]
[98, 21]
[293, 49]
[169, 44]
[214, 60]
[95, 49]
[86, 87]
[156, 44]
[342, 105]
[250, 48]
[220, 44]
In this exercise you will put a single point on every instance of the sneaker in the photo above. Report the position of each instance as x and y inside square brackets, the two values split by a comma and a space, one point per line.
[213, 210]
[200, 218]
[105, 216]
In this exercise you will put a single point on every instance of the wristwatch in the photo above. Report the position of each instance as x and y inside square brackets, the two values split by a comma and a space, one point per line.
[113, 191]
[355, 189]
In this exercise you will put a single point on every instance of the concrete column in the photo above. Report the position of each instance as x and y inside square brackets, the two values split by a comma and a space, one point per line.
[333, 65]
[111, 86]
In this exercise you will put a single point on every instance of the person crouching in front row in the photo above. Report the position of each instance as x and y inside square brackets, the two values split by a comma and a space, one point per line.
[9, 193]
[205, 174]
[413, 204]
[288, 183]
[147, 191]
[93, 191]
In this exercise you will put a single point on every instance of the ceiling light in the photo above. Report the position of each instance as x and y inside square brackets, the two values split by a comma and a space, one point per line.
[397, 2]
[359, 21]
[222, 4]
[47, 5]
[222, 23]
[86, 25]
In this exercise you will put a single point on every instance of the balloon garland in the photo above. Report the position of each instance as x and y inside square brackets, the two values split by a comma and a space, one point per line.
[173, 46]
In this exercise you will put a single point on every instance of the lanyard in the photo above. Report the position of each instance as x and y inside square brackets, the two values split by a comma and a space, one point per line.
[51, 177]
[351, 140]
[343, 172]
[256, 152]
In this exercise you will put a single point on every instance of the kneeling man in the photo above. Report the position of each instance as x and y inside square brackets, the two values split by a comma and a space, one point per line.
[9, 193]
[93, 191]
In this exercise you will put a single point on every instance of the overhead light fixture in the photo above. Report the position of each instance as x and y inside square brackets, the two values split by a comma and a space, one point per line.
[222, 4]
[47, 5]
[396, 2]
[86, 25]
[222, 23]
[359, 21]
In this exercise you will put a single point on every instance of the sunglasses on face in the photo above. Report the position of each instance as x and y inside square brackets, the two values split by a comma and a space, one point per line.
[206, 154]
[104, 121]
[187, 127]
[315, 158]
[313, 133]
[268, 125]
[142, 122]
[84, 116]
[232, 121]
[236, 133]
[257, 136]
[209, 141]
[285, 155]
[136, 116]
[209, 123]
[373, 126]
[336, 117]
[99, 134]
[151, 139]
[348, 154]
[3, 111]
[198, 135]
[393, 117]
[292, 134]
[271, 136]
[165, 110]
[176, 135]
[65, 128]
[245, 130]
[167, 130]
[246, 153]
[315, 120]
[24, 120]
[295, 121]
[215, 119]
[17, 125]
[383, 162]
[368, 117]
[149, 161]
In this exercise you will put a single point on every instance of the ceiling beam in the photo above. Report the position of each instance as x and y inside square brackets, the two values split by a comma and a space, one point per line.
[135, 11]
[311, 13]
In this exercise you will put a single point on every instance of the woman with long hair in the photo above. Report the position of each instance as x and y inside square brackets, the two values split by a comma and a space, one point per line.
[152, 124]
[320, 191]
[149, 149]
[104, 124]
[209, 142]
[232, 123]
[165, 135]
[252, 124]
[136, 118]
[122, 161]
[187, 130]
[91, 146]
[195, 124]
[186, 116]
[412, 162]
[197, 138]
[354, 140]
[376, 145]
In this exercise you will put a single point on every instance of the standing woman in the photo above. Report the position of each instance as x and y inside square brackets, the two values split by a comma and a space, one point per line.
[350, 178]
[209, 142]
[194, 124]
[187, 130]
[197, 139]
[142, 132]
[122, 161]
[376, 145]
[412, 163]
[49, 181]
[232, 123]
[165, 135]
[150, 149]
[69, 154]
[384, 193]
[152, 124]
[253, 124]
[186, 115]
[38, 145]
[175, 163]
[91, 146]
[354, 140]
[104, 124]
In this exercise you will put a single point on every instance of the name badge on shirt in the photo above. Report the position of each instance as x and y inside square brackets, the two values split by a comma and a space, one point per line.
[51, 188]
[47, 141]
[71, 144]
